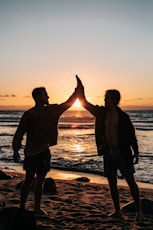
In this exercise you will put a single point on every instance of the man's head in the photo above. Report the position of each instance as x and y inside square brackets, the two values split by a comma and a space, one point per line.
[40, 95]
[112, 97]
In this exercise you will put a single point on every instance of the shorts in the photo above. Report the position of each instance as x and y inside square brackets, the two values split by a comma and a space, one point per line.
[39, 163]
[113, 160]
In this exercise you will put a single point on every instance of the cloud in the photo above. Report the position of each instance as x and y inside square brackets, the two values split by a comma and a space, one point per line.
[138, 99]
[133, 99]
[7, 95]
[27, 96]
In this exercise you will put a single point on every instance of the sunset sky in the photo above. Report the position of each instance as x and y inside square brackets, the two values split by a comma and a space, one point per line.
[108, 43]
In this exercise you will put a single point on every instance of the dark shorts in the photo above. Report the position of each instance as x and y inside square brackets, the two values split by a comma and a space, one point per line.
[39, 163]
[113, 161]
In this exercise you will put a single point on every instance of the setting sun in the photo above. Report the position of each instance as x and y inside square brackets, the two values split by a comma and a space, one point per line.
[77, 104]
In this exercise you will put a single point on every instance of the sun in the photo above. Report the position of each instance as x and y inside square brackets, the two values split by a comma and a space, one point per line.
[77, 104]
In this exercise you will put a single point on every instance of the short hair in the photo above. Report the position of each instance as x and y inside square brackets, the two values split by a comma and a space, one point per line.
[114, 94]
[37, 92]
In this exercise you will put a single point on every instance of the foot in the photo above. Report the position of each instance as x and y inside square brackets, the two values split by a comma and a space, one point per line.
[139, 217]
[117, 214]
[40, 212]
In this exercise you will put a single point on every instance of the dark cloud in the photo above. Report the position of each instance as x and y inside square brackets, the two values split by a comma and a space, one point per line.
[7, 95]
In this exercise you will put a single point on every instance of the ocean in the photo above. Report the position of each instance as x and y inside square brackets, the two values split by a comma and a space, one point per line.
[76, 149]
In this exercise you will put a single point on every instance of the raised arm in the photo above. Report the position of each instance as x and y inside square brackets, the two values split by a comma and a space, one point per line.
[69, 102]
[81, 95]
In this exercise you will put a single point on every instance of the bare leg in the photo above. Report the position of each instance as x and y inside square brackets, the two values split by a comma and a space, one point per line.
[25, 188]
[114, 194]
[135, 193]
[40, 177]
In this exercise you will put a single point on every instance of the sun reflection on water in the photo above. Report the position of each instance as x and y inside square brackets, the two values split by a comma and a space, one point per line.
[77, 148]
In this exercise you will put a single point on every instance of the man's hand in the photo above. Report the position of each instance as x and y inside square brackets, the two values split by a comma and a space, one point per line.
[80, 88]
[135, 158]
[79, 83]
[16, 157]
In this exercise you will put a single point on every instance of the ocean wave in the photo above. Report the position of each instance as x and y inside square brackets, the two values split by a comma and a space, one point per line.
[9, 125]
[144, 128]
[6, 134]
[148, 156]
[143, 121]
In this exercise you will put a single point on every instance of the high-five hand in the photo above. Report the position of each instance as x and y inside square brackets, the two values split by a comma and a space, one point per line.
[79, 83]
[80, 88]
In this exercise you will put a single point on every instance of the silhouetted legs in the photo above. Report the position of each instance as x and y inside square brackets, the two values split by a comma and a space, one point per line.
[112, 180]
[29, 178]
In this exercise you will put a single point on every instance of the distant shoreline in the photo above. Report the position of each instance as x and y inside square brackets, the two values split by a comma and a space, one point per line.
[125, 108]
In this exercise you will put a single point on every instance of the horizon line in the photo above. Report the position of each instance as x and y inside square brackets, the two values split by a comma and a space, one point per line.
[26, 107]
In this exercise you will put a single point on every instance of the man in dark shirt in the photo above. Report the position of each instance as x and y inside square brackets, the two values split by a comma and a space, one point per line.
[40, 126]
[115, 137]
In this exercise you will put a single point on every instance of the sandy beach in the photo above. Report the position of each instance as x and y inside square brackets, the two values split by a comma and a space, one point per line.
[79, 204]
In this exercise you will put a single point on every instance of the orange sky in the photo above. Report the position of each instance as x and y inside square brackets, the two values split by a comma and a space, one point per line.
[107, 43]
